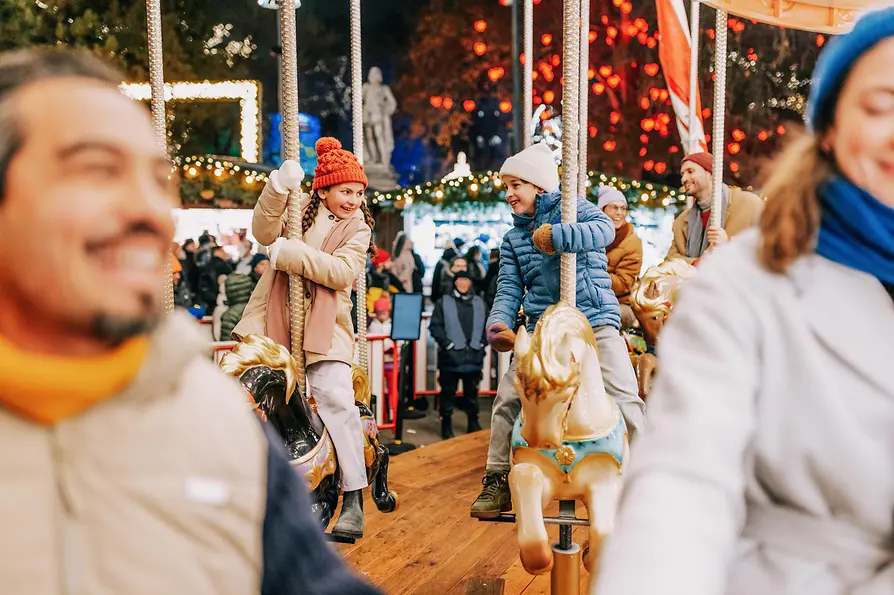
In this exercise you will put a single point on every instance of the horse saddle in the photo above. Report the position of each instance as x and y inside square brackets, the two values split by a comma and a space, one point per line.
[573, 452]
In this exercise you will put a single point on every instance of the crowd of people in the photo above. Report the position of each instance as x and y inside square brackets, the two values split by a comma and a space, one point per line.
[208, 282]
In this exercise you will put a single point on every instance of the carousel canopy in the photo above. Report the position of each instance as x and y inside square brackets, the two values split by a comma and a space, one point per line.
[823, 16]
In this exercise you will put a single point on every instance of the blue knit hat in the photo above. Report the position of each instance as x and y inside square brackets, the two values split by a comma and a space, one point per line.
[837, 60]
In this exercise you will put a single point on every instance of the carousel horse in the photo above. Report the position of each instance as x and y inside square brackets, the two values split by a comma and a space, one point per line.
[268, 373]
[570, 442]
[652, 298]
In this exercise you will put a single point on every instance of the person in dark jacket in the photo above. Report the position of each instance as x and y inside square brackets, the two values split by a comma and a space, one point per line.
[182, 295]
[190, 273]
[441, 268]
[458, 326]
[209, 277]
[477, 271]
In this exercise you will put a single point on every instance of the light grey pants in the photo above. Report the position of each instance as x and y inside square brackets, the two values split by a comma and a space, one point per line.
[620, 385]
[332, 388]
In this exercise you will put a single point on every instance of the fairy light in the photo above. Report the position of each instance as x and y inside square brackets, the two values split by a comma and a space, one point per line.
[488, 188]
[247, 93]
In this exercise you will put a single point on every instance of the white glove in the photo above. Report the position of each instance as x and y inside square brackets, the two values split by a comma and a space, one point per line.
[288, 177]
[273, 250]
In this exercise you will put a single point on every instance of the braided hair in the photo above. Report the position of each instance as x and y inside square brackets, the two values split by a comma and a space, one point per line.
[313, 208]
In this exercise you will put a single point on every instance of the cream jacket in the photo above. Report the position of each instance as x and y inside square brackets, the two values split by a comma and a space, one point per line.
[336, 271]
[768, 467]
[160, 489]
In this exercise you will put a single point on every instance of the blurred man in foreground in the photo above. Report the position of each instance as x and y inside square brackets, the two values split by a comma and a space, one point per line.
[132, 465]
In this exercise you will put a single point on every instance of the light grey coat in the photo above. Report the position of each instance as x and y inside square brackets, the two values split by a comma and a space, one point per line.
[769, 465]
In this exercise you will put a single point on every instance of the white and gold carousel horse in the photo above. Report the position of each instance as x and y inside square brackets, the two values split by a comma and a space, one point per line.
[652, 298]
[570, 442]
[268, 373]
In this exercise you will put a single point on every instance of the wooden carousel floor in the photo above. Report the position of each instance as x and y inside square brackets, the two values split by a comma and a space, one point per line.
[430, 545]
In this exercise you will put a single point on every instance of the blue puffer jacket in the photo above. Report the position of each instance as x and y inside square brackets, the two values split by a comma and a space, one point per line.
[528, 274]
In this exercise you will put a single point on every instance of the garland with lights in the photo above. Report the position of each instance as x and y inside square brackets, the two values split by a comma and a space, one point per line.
[488, 188]
[212, 182]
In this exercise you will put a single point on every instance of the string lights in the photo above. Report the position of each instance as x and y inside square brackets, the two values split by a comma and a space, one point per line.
[247, 93]
[487, 187]
[215, 182]
[209, 181]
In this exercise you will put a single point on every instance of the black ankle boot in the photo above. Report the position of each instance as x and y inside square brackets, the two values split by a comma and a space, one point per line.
[446, 427]
[350, 521]
[473, 426]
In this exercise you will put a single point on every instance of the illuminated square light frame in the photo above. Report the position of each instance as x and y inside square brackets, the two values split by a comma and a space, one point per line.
[247, 93]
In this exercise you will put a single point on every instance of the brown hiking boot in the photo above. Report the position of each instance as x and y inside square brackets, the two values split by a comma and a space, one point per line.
[495, 497]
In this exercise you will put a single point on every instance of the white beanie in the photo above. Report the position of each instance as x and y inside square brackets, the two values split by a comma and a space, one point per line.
[535, 165]
[608, 195]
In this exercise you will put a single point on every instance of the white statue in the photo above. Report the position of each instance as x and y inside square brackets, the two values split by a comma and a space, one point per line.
[460, 170]
[378, 107]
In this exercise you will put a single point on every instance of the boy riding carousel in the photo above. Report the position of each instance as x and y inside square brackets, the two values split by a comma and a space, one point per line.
[529, 278]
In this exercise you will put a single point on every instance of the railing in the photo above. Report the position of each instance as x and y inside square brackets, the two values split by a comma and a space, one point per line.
[384, 368]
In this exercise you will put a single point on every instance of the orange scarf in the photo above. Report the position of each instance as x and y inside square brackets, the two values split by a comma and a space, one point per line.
[48, 388]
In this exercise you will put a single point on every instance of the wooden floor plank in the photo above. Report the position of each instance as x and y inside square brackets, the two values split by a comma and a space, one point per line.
[484, 586]
[430, 545]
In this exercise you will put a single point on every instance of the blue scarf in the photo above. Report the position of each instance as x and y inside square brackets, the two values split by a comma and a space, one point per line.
[856, 230]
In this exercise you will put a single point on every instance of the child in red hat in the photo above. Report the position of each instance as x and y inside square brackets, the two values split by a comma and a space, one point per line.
[337, 236]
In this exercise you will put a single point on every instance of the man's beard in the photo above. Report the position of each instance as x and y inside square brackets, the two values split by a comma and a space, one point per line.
[115, 330]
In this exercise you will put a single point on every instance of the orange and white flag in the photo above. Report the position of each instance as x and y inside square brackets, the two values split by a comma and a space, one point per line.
[673, 53]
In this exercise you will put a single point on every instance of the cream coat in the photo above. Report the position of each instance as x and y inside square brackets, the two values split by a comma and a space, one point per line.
[336, 271]
[140, 494]
[774, 389]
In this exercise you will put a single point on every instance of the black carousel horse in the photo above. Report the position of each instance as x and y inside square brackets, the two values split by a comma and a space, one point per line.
[269, 374]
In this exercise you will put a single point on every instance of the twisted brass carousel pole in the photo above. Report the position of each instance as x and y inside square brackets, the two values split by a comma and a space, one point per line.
[565, 576]
[717, 135]
[292, 151]
[570, 131]
[157, 84]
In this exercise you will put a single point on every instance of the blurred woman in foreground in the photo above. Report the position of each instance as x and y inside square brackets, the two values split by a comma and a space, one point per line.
[769, 464]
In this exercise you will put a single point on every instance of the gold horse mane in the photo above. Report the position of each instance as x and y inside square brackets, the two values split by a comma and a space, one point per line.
[540, 371]
[256, 350]
[362, 388]
[656, 290]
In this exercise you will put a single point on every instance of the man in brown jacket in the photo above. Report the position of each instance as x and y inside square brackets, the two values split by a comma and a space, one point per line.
[625, 253]
[130, 463]
[692, 234]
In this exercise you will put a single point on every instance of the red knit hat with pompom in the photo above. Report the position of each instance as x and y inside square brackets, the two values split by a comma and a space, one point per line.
[336, 166]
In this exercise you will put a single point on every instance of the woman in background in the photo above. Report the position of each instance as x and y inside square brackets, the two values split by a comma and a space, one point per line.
[768, 466]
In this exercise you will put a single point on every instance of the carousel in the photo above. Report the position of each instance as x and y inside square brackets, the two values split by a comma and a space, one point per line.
[570, 443]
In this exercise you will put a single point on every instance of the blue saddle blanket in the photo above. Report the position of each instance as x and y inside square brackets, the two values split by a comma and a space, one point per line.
[611, 444]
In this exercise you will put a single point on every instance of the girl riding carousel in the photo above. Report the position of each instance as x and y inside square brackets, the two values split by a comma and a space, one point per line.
[337, 228]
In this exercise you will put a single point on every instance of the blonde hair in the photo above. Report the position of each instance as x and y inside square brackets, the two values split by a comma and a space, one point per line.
[791, 218]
